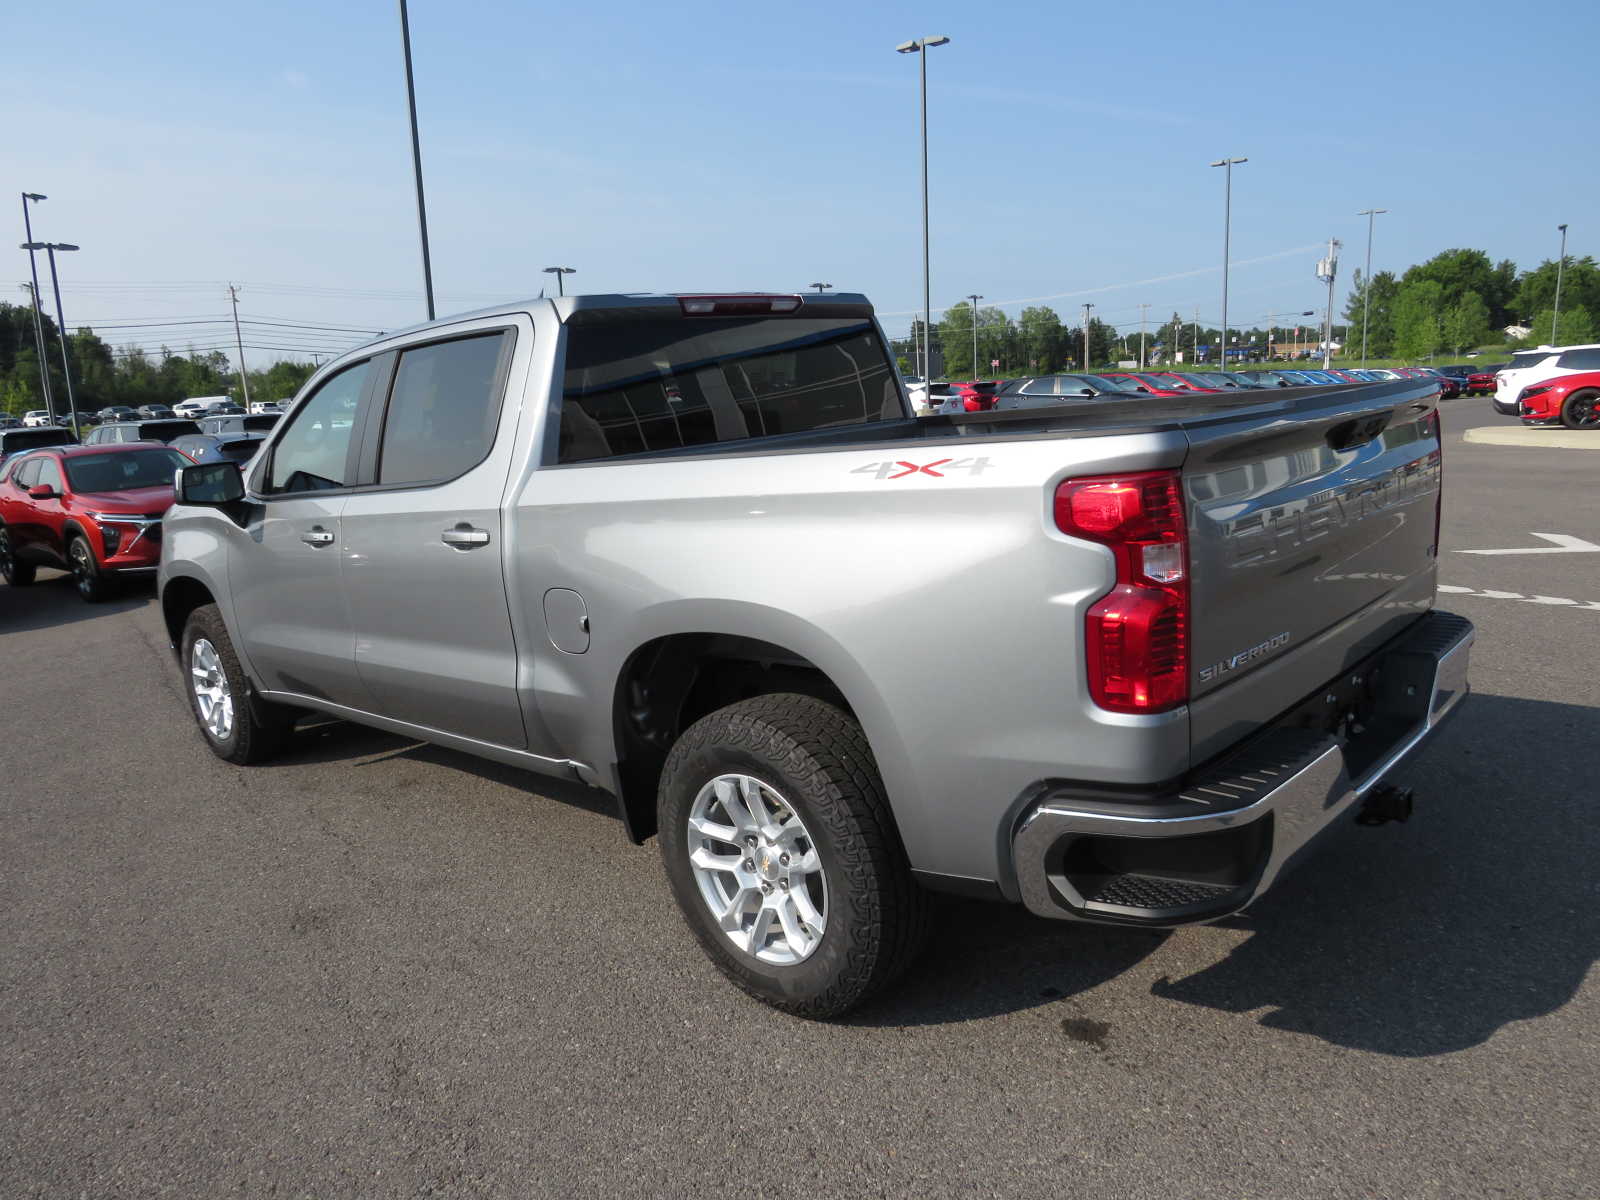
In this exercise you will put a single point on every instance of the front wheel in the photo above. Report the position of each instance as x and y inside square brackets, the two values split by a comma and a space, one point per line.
[1582, 410]
[238, 727]
[15, 573]
[782, 854]
[86, 574]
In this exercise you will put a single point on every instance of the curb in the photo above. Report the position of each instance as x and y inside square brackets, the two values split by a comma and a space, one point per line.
[1537, 438]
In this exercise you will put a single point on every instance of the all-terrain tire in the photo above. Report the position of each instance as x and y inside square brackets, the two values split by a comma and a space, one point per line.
[815, 757]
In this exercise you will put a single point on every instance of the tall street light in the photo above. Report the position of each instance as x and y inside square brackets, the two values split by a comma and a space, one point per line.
[38, 319]
[821, 287]
[921, 46]
[416, 159]
[1366, 279]
[50, 249]
[561, 273]
[1559, 266]
[974, 297]
[1227, 223]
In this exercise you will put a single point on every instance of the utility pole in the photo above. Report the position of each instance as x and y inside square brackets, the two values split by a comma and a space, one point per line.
[1086, 309]
[974, 297]
[238, 340]
[1197, 333]
[1143, 308]
[1560, 265]
[1326, 270]
[38, 318]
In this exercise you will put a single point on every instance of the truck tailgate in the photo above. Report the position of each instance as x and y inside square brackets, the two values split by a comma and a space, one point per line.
[1312, 541]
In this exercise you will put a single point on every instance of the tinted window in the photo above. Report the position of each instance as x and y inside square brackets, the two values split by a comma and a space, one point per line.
[654, 383]
[443, 410]
[1581, 360]
[1041, 387]
[49, 473]
[27, 471]
[313, 451]
[1522, 361]
[161, 431]
[115, 472]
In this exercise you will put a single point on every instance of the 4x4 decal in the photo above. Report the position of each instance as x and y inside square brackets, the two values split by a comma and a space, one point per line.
[899, 469]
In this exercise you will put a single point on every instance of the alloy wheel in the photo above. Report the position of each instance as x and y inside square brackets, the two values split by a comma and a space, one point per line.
[212, 695]
[83, 568]
[757, 869]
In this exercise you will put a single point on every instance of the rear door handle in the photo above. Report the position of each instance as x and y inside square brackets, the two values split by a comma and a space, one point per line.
[317, 536]
[465, 537]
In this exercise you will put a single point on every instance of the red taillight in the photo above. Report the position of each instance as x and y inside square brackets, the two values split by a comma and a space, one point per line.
[1137, 635]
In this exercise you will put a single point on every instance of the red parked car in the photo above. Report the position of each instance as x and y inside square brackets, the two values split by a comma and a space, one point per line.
[92, 510]
[978, 395]
[1570, 400]
[1156, 385]
[1481, 383]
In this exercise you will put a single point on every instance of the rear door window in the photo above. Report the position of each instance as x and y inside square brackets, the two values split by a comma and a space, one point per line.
[443, 409]
[637, 385]
[1581, 360]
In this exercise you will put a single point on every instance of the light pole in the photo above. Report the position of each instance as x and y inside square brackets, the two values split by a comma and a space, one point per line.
[1086, 309]
[974, 298]
[821, 287]
[1560, 264]
[38, 318]
[50, 249]
[1143, 308]
[1227, 164]
[921, 46]
[416, 159]
[561, 273]
[1371, 215]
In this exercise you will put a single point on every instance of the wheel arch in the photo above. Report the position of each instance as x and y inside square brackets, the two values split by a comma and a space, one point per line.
[180, 596]
[671, 679]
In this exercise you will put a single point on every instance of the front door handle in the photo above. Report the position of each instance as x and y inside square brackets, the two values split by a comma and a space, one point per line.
[464, 537]
[317, 536]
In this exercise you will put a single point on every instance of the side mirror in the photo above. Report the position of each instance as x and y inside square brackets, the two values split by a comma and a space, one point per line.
[209, 483]
[42, 491]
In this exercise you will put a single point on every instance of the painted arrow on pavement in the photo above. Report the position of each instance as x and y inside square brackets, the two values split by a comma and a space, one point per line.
[1565, 543]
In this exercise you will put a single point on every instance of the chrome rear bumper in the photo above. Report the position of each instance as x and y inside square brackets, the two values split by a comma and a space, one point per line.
[1213, 845]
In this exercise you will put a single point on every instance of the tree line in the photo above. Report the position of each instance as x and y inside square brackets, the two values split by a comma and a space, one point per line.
[1456, 301]
[102, 376]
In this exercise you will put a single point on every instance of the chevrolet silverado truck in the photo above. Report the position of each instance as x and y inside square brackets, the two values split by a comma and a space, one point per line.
[1119, 660]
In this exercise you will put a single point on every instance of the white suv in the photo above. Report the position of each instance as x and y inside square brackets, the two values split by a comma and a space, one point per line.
[36, 418]
[1528, 367]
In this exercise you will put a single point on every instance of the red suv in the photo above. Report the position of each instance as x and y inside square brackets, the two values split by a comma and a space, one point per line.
[92, 510]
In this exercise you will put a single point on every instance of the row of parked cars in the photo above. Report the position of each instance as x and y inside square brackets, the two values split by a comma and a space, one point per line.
[981, 395]
[94, 508]
[1551, 385]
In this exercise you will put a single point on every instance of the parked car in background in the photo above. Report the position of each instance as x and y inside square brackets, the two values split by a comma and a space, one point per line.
[223, 408]
[1154, 385]
[116, 412]
[32, 437]
[36, 416]
[118, 432]
[1570, 400]
[155, 412]
[92, 510]
[1481, 381]
[219, 447]
[195, 405]
[1265, 379]
[1077, 386]
[238, 423]
[268, 406]
[1528, 367]
[1208, 381]
[7, 421]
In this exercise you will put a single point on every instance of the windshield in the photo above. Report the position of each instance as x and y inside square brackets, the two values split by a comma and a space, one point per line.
[123, 470]
[660, 383]
[1111, 385]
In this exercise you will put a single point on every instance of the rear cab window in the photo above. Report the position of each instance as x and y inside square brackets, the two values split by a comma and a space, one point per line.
[643, 384]
[444, 408]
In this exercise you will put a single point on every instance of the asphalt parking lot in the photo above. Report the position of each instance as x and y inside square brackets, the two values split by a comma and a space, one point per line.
[382, 969]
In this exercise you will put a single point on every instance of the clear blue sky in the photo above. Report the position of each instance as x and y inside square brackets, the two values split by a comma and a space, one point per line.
[703, 146]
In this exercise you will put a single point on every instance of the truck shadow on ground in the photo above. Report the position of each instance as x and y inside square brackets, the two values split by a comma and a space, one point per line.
[53, 600]
[1408, 940]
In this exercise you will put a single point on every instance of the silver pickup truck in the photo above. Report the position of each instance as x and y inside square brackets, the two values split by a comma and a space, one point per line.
[1118, 660]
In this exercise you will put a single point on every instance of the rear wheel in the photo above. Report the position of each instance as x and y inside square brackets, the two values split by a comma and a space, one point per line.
[1582, 410]
[237, 726]
[782, 854]
[92, 584]
[17, 574]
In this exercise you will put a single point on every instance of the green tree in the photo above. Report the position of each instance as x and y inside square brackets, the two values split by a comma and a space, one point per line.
[1580, 288]
[1460, 273]
[1574, 327]
[1380, 328]
[1466, 323]
[1043, 344]
[1417, 314]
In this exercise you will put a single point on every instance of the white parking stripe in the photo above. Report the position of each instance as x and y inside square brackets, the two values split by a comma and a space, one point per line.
[1491, 594]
